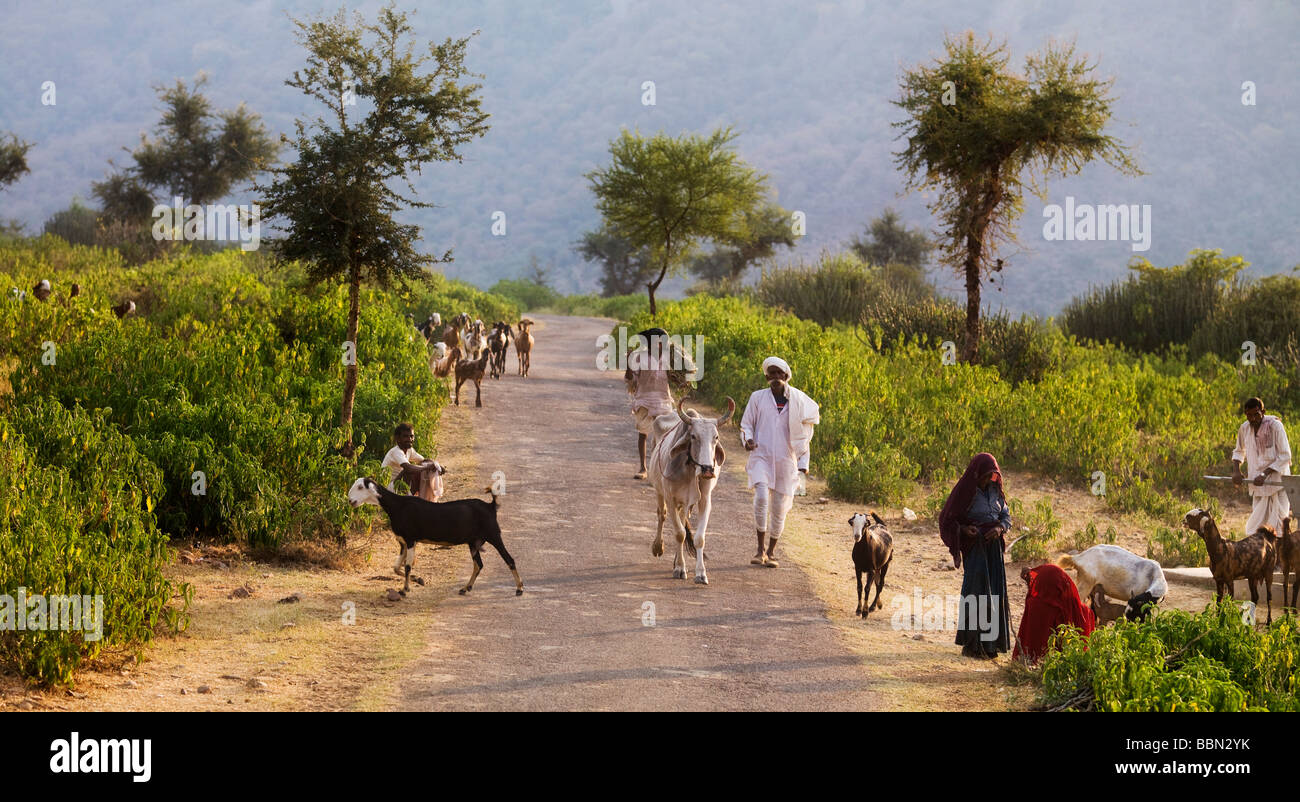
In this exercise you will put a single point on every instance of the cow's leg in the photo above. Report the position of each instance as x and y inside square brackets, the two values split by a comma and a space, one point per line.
[679, 560]
[859, 610]
[701, 575]
[657, 548]
[474, 549]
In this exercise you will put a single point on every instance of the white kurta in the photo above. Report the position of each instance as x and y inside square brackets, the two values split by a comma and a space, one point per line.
[774, 461]
[1267, 449]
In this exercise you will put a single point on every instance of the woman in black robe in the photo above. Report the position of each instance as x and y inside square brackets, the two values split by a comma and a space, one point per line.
[973, 524]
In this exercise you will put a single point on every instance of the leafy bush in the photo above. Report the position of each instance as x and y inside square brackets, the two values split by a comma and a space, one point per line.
[1176, 661]
[528, 295]
[1172, 547]
[1087, 537]
[1156, 307]
[77, 507]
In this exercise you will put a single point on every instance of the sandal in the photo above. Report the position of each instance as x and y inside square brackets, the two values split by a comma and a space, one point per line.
[771, 562]
[639, 475]
[758, 561]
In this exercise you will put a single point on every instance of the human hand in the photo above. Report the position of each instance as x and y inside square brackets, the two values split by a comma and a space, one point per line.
[1259, 480]
[970, 530]
[1236, 475]
[750, 445]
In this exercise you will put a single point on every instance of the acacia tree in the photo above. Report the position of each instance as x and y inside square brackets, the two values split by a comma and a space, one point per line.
[976, 132]
[337, 198]
[667, 194]
[197, 154]
[887, 241]
[13, 159]
[765, 227]
[622, 267]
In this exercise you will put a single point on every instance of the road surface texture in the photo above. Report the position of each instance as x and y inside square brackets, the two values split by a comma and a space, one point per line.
[583, 637]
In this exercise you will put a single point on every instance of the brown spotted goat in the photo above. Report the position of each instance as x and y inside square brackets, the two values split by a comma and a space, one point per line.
[873, 548]
[1251, 558]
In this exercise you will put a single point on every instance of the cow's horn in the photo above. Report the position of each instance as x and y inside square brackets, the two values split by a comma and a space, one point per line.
[685, 418]
[731, 407]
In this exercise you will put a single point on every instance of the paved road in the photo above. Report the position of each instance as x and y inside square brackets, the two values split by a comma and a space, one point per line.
[580, 528]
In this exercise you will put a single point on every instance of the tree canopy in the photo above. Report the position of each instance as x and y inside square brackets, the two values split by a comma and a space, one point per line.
[669, 193]
[978, 134]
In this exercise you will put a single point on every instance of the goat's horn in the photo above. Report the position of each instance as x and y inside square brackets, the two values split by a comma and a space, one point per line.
[731, 407]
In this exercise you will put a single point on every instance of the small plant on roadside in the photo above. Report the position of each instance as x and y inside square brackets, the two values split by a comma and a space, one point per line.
[1176, 547]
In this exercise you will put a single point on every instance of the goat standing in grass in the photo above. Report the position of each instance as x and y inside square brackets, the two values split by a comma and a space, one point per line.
[1251, 558]
[468, 521]
[873, 549]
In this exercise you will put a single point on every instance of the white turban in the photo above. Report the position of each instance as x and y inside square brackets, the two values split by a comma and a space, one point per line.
[780, 363]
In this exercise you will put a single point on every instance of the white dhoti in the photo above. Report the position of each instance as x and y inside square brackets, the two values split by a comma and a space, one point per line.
[1269, 511]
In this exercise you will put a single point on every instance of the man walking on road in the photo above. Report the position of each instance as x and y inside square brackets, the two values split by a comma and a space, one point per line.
[1262, 445]
[777, 428]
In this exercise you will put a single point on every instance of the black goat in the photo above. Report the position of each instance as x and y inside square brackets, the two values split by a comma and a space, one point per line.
[873, 548]
[470, 521]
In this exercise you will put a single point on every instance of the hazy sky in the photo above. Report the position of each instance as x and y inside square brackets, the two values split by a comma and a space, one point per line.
[808, 86]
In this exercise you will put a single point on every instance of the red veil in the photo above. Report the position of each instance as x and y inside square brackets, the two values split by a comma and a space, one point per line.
[1053, 600]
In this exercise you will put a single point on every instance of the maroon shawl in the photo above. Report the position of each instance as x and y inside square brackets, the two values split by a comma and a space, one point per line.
[953, 516]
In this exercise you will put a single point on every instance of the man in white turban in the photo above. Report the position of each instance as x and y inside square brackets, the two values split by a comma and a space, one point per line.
[776, 428]
[1262, 444]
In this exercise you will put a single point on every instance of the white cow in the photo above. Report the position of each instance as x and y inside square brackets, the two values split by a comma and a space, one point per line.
[684, 459]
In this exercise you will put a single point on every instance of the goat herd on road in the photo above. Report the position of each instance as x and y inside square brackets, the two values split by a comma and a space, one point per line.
[466, 348]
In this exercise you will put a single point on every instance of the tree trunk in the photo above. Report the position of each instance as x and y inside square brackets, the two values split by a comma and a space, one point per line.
[350, 371]
[651, 287]
[974, 327]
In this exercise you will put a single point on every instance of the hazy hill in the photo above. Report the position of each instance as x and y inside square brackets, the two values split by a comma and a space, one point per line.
[808, 85]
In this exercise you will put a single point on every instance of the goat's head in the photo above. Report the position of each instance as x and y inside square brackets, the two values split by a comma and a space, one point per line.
[859, 523]
[363, 491]
[1202, 523]
[1136, 609]
[702, 434]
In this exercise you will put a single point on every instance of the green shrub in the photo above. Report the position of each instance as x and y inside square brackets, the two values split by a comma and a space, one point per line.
[1156, 307]
[527, 295]
[1173, 547]
[77, 504]
[1087, 537]
[1175, 661]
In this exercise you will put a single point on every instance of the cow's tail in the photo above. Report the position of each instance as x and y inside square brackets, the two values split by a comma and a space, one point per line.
[690, 539]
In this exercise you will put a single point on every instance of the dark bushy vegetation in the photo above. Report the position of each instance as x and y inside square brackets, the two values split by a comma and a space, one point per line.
[231, 369]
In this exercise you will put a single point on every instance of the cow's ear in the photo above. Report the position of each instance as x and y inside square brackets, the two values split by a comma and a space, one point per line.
[719, 456]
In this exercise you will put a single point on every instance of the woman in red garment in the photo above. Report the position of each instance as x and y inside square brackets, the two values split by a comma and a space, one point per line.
[1053, 600]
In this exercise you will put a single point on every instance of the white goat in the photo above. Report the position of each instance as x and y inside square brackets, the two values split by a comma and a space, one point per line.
[1120, 574]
